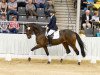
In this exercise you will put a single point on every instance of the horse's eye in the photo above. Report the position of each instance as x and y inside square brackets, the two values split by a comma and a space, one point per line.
[28, 28]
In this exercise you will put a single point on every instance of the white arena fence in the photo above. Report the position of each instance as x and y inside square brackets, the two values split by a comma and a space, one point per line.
[23, 22]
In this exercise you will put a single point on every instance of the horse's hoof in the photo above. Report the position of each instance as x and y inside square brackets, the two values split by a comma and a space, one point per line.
[61, 60]
[31, 49]
[29, 59]
[48, 62]
[78, 63]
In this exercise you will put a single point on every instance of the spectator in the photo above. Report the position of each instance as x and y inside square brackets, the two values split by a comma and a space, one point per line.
[84, 4]
[3, 7]
[14, 25]
[95, 17]
[95, 20]
[12, 8]
[49, 7]
[86, 20]
[40, 3]
[4, 25]
[30, 9]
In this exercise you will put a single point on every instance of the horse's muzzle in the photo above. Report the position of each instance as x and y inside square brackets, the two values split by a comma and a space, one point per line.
[28, 37]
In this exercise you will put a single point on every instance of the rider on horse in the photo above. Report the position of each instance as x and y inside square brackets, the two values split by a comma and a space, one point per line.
[52, 27]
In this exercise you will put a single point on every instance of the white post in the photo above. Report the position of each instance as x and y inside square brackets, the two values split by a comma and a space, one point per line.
[78, 16]
[8, 57]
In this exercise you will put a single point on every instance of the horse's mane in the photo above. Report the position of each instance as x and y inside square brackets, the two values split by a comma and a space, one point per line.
[39, 27]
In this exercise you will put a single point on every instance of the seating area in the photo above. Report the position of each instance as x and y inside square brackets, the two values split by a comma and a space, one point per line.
[90, 17]
[22, 16]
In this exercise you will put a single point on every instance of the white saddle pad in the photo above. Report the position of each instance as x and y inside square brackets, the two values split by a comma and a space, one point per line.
[56, 35]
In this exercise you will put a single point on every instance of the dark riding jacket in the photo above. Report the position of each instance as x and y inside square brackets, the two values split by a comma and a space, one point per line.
[52, 25]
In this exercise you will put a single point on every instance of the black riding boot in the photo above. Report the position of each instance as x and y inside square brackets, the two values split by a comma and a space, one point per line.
[49, 40]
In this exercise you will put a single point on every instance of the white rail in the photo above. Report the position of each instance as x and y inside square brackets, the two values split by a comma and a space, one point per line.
[23, 22]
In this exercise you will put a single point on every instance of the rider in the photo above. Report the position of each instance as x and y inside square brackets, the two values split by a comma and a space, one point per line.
[52, 27]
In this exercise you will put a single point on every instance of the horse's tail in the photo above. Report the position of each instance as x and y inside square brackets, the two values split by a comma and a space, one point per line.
[81, 45]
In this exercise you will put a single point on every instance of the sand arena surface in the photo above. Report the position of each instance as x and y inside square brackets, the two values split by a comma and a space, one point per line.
[40, 67]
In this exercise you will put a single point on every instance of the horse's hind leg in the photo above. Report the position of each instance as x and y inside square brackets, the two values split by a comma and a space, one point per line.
[47, 53]
[67, 51]
[77, 53]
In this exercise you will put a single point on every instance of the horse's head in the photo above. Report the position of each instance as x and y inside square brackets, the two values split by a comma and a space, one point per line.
[29, 31]
[37, 29]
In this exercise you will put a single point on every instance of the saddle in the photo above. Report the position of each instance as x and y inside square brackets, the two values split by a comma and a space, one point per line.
[54, 35]
[50, 37]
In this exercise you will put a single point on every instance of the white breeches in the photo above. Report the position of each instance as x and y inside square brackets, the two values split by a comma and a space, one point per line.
[50, 32]
[86, 24]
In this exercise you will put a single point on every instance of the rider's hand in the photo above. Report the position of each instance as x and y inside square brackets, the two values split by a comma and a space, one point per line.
[46, 27]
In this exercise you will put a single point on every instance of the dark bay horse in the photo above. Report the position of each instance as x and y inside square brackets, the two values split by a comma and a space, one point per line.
[67, 38]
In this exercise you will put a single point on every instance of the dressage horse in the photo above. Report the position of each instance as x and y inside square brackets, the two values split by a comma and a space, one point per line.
[67, 38]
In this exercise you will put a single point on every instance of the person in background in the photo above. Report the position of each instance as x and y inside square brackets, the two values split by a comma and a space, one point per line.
[39, 3]
[30, 9]
[3, 7]
[14, 25]
[12, 8]
[96, 20]
[86, 20]
[84, 4]
[4, 25]
[49, 7]
[95, 17]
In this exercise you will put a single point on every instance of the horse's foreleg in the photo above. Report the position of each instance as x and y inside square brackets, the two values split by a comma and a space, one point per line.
[47, 53]
[34, 48]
